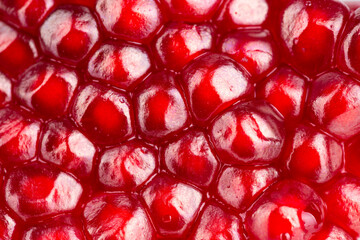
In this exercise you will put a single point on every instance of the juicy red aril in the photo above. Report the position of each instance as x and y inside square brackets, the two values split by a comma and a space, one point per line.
[173, 205]
[47, 88]
[212, 83]
[65, 146]
[103, 113]
[18, 50]
[191, 10]
[60, 228]
[286, 91]
[352, 155]
[134, 20]
[38, 190]
[232, 14]
[287, 210]
[26, 13]
[121, 64]
[342, 202]
[248, 133]
[334, 104]
[159, 107]
[180, 43]
[239, 187]
[117, 216]
[348, 57]
[254, 49]
[191, 158]
[69, 33]
[19, 135]
[311, 155]
[215, 223]
[331, 232]
[127, 166]
[308, 32]
[7, 225]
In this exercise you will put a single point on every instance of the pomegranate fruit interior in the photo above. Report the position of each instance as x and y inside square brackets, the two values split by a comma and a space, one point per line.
[179, 120]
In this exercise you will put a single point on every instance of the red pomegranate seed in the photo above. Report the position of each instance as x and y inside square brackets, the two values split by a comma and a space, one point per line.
[26, 13]
[286, 91]
[191, 10]
[348, 59]
[69, 33]
[248, 133]
[160, 107]
[134, 20]
[7, 225]
[308, 32]
[121, 64]
[312, 156]
[47, 88]
[240, 13]
[117, 216]
[212, 83]
[65, 146]
[127, 166]
[288, 210]
[342, 202]
[331, 232]
[19, 136]
[104, 114]
[173, 205]
[254, 49]
[60, 228]
[191, 158]
[179, 43]
[239, 187]
[17, 50]
[39, 190]
[215, 223]
[334, 104]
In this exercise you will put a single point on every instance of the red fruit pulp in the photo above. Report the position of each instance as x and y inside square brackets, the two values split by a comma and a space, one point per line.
[179, 120]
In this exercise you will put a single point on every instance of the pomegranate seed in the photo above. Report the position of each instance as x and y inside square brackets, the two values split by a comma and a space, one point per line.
[159, 107]
[47, 88]
[179, 43]
[288, 210]
[191, 158]
[308, 32]
[19, 135]
[134, 20]
[249, 133]
[17, 50]
[212, 83]
[173, 205]
[253, 49]
[69, 33]
[215, 223]
[68, 148]
[104, 114]
[127, 166]
[123, 65]
[239, 187]
[312, 156]
[38, 190]
[116, 216]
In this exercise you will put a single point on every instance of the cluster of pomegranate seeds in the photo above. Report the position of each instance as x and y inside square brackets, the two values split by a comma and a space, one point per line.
[179, 120]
